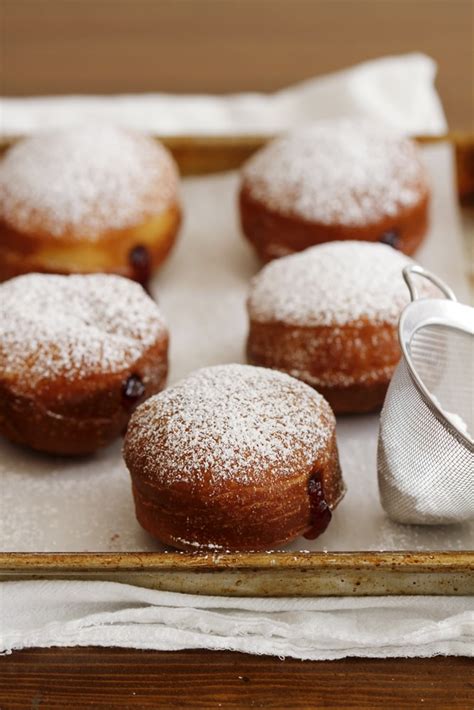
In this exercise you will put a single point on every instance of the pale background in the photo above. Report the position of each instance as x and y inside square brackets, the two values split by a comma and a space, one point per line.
[114, 46]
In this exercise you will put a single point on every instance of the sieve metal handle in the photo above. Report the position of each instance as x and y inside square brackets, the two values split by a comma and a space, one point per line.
[410, 271]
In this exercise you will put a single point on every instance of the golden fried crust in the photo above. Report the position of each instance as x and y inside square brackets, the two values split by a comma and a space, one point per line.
[112, 252]
[238, 517]
[81, 416]
[274, 234]
[350, 365]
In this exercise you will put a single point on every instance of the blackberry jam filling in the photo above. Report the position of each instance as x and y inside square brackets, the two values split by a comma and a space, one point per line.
[140, 261]
[391, 238]
[133, 390]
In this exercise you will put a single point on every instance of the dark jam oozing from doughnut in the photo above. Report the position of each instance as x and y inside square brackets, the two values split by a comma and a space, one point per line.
[392, 238]
[133, 390]
[320, 512]
[140, 261]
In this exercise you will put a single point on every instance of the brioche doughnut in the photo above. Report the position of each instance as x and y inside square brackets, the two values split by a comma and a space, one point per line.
[234, 458]
[77, 353]
[336, 180]
[87, 199]
[329, 316]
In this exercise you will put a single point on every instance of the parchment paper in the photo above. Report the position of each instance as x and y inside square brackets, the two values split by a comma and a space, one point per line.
[55, 504]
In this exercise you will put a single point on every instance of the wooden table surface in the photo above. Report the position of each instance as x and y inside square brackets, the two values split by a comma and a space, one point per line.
[50, 47]
[99, 46]
[121, 678]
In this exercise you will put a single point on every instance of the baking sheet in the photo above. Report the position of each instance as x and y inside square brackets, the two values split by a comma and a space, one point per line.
[56, 504]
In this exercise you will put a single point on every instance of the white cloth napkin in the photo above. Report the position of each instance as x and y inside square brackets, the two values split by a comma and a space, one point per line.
[399, 91]
[111, 614]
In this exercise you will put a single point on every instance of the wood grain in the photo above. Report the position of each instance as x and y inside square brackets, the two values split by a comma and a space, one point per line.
[121, 678]
[51, 47]
[86, 46]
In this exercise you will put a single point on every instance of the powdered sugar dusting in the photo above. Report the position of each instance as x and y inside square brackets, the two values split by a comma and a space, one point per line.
[51, 504]
[229, 422]
[332, 284]
[84, 180]
[73, 327]
[351, 172]
[455, 419]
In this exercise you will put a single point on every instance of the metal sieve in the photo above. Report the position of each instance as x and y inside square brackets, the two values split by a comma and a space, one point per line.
[425, 447]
